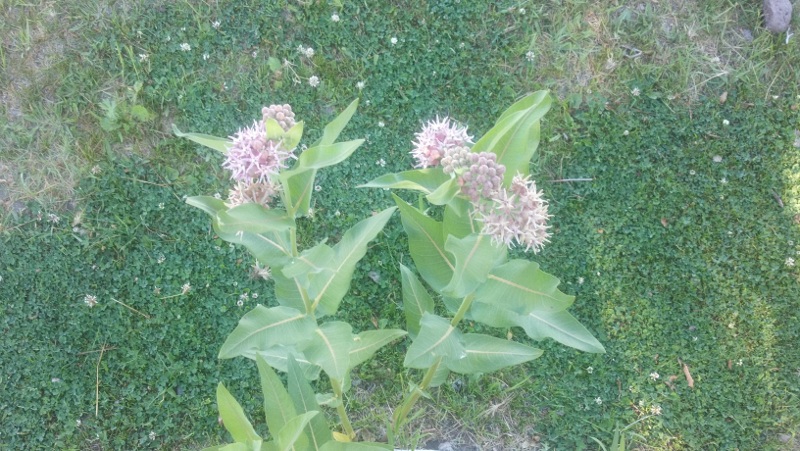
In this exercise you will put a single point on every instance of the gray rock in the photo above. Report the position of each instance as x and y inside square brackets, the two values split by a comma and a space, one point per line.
[777, 14]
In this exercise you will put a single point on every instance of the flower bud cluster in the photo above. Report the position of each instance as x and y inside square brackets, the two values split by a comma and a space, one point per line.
[455, 158]
[483, 177]
[517, 215]
[283, 114]
[435, 139]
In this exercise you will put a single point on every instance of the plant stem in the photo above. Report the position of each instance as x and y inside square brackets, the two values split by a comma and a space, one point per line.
[462, 310]
[400, 414]
[337, 391]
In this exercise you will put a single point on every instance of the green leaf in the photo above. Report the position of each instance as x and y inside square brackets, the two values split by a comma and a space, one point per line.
[274, 130]
[456, 219]
[330, 348]
[297, 192]
[212, 142]
[444, 193]
[522, 287]
[322, 156]
[335, 127]
[253, 218]
[366, 343]
[305, 401]
[292, 432]
[426, 245]
[231, 447]
[515, 136]
[416, 300]
[310, 261]
[439, 376]
[263, 328]
[278, 406]
[425, 180]
[560, 326]
[278, 358]
[293, 136]
[485, 354]
[475, 256]
[436, 338]
[289, 292]
[233, 417]
[327, 289]
[210, 205]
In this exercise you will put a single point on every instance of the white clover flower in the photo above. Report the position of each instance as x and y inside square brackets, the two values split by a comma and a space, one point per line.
[308, 52]
[360, 85]
[626, 133]
[530, 56]
[161, 205]
[731, 325]
[215, 25]
[96, 169]
[143, 57]
[317, 188]
[393, 40]
[186, 288]
[589, 370]
[217, 196]
[313, 81]
[435, 139]
[717, 159]
[152, 435]
[789, 262]
[598, 400]
[54, 219]
[335, 17]
[90, 300]
[337, 213]
[655, 409]
[522, 11]
[740, 362]
[654, 376]
[580, 280]
[724, 181]
[381, 162]
[239, 303]
[726, 122]
[185, 47]
[254, 157]
[381, 124]
[255, 53]
[635, 92]
[206, 56]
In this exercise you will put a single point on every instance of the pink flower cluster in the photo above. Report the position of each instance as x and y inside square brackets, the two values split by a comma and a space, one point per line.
[435, 139]
[518, 214]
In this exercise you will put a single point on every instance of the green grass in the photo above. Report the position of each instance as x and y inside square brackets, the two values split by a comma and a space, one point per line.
[669, 257]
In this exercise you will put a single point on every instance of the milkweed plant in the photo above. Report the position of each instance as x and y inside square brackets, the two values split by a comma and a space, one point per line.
[487, 203]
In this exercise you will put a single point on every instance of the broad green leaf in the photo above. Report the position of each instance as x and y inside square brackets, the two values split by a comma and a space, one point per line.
[333, 445]
[426, 244]
[521, 286]
[210, 205]
[289, 292]
[436, 338]
[291, 434]
[253, 218]
[485, 354]
[293, 136]
[474, 256]
[310, 261]
[212, 142]
[305, 401]
[365, 344]
[425, 180]
[322, 156]
[444, 193]
[270, 248]
[439, 376]
[330, 348]
[231, 447]
[233, 417]
[278, 406]
[416, 300]
[297, 192]
[515, 136]
[562, 327]
[335, 127]
[327, 289]
[274, 130]
[278, 358]
[263, 328]
[456, 219]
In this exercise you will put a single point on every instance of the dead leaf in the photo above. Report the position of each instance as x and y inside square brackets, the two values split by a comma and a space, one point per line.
[375, 321]
[723, 97]
[670, 381]
[600, 231]
[730, 364]
[664, 222]
[689, 379]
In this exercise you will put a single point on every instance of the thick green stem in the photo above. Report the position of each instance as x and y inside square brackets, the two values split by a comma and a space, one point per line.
[465, 305]
[337, 391]
[401, 413]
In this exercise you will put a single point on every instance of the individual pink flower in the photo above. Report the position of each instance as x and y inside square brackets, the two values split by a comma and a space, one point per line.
[516, 215]
[435, 139]
[254, 157]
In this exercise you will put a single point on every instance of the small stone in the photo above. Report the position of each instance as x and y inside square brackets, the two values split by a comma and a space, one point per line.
[777, 14]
